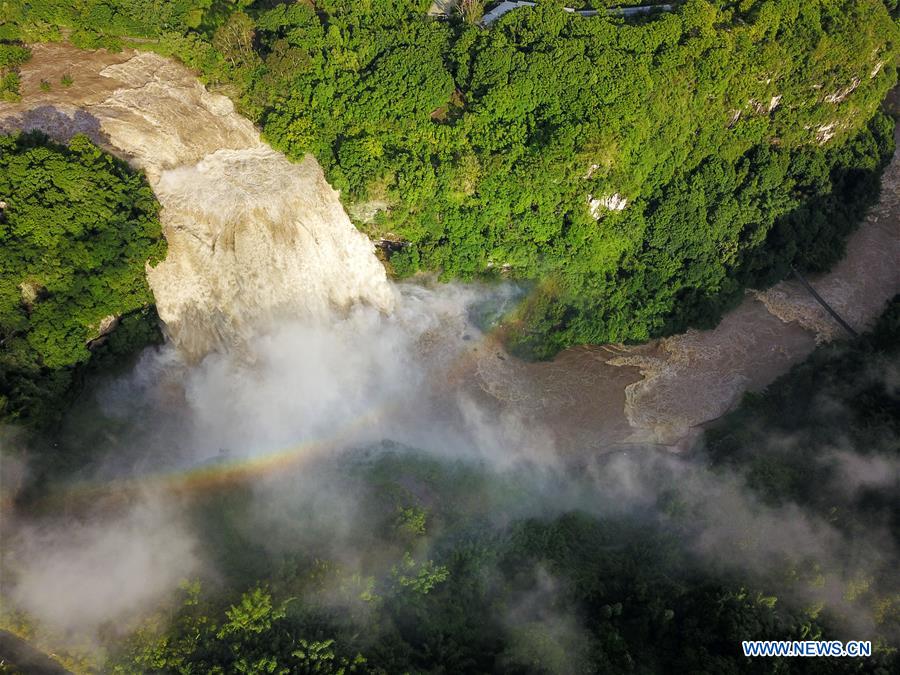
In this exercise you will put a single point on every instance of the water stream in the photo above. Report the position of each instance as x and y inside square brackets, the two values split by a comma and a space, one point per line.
[256, 241]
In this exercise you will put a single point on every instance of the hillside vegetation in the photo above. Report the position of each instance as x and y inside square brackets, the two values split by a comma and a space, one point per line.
[379, 559]
[736, 136]
[76, 230]
[795, 441]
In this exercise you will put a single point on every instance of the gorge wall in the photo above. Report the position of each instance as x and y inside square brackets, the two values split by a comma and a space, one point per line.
[250, 235]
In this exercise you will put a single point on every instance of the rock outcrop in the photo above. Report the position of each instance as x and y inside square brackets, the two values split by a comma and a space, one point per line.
[250, 234]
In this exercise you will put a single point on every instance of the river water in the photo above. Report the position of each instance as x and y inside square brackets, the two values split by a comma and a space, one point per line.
[253, 237]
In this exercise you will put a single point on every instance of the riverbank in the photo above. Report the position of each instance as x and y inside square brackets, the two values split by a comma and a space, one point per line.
[664, 391]
[251, 236]
[588, 399]
[315, 390]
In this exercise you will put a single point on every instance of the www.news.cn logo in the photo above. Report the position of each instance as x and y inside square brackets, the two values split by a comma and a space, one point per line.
[806, 648]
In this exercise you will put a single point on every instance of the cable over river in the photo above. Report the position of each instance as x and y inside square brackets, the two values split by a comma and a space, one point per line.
[254, 238]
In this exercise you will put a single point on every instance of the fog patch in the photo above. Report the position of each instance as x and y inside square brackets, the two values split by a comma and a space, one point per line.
[783, 547]
[308, 392]
[543, 635]
[77, 576]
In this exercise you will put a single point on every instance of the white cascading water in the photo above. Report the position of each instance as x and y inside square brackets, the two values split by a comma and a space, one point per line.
[253, 237]
[250, 235]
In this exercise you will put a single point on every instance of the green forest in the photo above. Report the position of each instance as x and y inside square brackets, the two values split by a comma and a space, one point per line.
[633, 177]
[627, 592]
[76, 229]
[857, 377]
[741, 136]
[447, 566]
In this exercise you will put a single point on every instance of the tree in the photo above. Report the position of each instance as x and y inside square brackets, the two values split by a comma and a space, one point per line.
[77, 229]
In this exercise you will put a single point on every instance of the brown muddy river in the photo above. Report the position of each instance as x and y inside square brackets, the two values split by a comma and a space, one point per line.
[155, 113]
[661, 392]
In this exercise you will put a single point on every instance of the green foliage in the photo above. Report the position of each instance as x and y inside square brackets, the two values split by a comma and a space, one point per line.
[11, 57]
[254, 638]
[733, 224]
[320, 657]
[722, 123]
[254, 614]
[558, 593]
[419, 577]
[826, 438]
[788, 440]
[77, 228]
[487, 146]
[500, 582]
[411, 520]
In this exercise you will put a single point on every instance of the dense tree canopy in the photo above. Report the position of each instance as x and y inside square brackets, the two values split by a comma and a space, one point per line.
[729, 130]
[445, 566]
[844, 398]
[738, 136]
[11, 56]
[400, 561]
[76, 230]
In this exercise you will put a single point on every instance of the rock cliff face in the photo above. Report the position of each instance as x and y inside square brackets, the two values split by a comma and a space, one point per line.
[250, 234]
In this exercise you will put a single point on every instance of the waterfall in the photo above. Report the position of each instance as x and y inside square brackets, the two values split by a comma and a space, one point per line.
[251, 237]
[250, 234]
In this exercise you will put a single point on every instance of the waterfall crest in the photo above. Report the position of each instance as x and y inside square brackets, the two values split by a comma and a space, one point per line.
[250, 234]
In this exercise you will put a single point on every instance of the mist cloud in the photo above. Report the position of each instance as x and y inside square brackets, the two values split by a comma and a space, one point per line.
[320, 390]
[76, 576]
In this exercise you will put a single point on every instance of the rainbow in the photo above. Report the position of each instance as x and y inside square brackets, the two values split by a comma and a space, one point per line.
[223, 473]
[207, 477]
